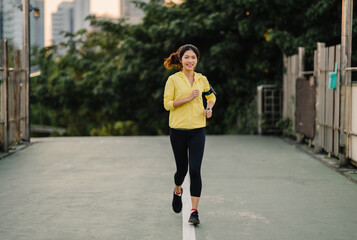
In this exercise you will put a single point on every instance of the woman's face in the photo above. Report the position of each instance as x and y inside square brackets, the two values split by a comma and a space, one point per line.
[189, 60]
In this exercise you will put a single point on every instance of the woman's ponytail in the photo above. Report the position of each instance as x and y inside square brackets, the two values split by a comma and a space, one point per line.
[173, 61]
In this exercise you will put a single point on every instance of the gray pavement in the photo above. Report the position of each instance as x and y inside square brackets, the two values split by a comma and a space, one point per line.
[254, 187]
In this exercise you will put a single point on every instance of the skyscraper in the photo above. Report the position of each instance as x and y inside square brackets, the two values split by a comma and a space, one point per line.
[130, 12]
[70, 17]
[1, 20]
[81, 11]
[12, 22]
[62, 21]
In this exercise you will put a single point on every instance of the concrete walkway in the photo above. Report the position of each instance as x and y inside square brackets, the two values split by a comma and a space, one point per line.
[121, 187]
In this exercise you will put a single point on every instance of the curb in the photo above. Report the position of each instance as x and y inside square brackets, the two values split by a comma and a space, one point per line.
[15, 149]
[349, 172]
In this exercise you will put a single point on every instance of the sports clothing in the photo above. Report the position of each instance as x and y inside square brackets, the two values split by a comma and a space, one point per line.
[191, 114]
[188, 147]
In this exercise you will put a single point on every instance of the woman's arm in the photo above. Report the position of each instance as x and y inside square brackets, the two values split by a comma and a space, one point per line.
[179, 102]
[210, 95]
[210, 105]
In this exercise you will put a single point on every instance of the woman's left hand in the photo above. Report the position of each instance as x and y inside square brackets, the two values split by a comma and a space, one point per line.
[208, 113]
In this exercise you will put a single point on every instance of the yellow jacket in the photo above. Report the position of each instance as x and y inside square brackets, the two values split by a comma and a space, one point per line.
[191, 114]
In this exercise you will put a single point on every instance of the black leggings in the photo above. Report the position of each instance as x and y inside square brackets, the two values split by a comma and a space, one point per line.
[193, 141]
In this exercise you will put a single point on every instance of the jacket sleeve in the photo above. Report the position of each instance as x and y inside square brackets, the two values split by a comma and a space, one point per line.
[169, 94]
[210, 96]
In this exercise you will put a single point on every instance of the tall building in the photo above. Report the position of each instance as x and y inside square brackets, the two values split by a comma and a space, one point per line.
[1, 20]
[70, 17]
[12, 22]
[37, 26]
[130, 12]
[62, 21]
[81, 11]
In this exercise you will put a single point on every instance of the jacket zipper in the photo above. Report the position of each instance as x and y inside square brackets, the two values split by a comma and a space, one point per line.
[191, 110]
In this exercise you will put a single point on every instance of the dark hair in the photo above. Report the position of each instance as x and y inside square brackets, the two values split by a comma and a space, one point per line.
[174, 59]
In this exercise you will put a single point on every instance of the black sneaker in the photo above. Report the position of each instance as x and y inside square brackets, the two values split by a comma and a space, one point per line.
[194, 218]
[176, 202]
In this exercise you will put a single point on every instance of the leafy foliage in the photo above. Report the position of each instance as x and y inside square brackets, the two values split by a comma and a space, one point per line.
[115, 73]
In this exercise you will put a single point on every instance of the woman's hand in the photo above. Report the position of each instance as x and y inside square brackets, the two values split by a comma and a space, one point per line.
[208, 112]
[179, 102]
[195, 93]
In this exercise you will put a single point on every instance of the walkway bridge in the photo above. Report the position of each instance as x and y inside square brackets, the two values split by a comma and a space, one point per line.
[254, 187]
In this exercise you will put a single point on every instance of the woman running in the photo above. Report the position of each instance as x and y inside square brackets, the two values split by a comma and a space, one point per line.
[183, 98]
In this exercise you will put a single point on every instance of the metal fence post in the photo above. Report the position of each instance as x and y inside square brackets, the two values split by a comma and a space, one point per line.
[26, 65]
[299, 136]
[346, 94]
[6, 97]
[319, 111]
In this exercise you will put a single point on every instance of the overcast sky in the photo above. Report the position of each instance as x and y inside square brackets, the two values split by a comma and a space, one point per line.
[101, 7]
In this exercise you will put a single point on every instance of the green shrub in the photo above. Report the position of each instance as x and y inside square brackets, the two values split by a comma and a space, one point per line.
[120, 128]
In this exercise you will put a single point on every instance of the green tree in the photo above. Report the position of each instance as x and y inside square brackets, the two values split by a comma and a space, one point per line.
[116, 74]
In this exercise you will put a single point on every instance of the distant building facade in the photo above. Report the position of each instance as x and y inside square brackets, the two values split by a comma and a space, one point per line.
[62, 21]
[70, 17]
[11, 23]
[130, 12]
[1, 20]
[81, 11]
